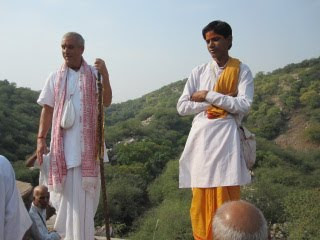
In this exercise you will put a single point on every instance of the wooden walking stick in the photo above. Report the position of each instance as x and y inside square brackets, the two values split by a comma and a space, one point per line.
[100, 144]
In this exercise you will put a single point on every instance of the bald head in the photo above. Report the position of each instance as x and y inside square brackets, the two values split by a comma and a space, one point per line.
[41, 196]
[239, 220]
[39, 189]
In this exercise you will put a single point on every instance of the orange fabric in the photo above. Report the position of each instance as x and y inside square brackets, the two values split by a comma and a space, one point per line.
[227, 85]
[205, 202]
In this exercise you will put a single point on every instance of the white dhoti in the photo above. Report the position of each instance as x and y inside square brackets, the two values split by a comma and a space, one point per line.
[75, 208]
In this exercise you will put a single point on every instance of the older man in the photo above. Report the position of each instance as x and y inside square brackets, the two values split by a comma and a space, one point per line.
[239, 220]
[14, 218]
[219, 93]
[37, 212]
[74, 171]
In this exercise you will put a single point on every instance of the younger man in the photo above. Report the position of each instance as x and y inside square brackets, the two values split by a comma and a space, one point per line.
[219, 93]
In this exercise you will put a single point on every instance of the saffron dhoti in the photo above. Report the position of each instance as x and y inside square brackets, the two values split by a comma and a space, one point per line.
[205, 202]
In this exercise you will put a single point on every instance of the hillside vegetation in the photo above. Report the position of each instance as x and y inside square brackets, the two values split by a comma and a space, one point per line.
[285, 95]
[145, 138]
[19, 117]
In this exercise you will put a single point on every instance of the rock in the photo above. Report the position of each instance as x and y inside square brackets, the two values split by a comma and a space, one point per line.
[25, 190]
[104, 238]
[50, 222]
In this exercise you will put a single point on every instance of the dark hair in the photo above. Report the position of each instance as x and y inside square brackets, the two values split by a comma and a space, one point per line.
[219, 27]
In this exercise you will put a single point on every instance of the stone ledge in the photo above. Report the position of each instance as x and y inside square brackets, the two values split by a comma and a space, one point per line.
[104, 238]
[25, 190]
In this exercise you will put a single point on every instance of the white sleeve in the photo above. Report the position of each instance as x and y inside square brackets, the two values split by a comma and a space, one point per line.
[12, 205]
[15, 220]
[185, 106]
[47, 94]
[242, 102]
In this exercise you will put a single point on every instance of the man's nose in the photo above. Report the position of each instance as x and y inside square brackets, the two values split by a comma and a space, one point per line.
[210, 43]
[65, 50]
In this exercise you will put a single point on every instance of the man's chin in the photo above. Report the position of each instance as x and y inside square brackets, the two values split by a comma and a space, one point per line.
[69, 64]
[214, 56]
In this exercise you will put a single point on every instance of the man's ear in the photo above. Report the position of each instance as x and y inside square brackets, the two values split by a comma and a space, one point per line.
[229, 39]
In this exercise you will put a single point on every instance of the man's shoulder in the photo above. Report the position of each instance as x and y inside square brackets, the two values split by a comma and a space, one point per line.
[32, 211]
[52, 75]
[93, 69]
[201, 68]
[4, 161]
[244, 68]
[6, 167]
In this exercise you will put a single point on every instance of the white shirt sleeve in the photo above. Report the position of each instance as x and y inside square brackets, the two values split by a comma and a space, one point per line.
[242, 102]
[47, 94]
[185, 106]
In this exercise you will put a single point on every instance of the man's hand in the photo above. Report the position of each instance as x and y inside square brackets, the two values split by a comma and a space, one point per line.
[44, 125]
[100, 65]
[233, 94]
[41, 149]
[199, 96]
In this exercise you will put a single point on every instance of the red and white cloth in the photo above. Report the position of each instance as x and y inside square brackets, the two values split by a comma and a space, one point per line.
[75, 146]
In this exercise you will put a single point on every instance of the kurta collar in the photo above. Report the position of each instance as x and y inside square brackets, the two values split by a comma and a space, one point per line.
[40, 210]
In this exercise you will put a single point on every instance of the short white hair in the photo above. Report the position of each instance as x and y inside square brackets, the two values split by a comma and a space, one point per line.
[222, 231]
[77, 36]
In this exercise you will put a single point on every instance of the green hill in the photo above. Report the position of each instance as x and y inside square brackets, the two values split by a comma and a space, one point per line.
[19, 117]
[145, 137]
[283, 99]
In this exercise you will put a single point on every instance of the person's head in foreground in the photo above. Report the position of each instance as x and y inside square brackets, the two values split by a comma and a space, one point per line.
[239, 220]
[41, 196]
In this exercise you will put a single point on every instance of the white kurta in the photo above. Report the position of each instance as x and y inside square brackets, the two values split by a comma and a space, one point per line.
[211, 156]
[14, 218]
[75, 207]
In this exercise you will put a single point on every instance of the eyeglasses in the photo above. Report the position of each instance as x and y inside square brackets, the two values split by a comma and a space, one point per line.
[44, 197]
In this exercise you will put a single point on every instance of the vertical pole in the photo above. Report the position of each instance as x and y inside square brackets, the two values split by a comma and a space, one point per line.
[100, 133]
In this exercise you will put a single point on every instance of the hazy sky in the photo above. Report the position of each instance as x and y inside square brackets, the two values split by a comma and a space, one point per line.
[148, 44]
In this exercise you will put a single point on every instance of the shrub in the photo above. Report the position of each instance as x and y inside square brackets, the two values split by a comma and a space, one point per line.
[313, 132]
[302, 209]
